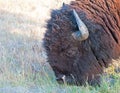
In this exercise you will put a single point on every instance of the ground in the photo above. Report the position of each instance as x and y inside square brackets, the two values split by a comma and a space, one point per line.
[23, 58]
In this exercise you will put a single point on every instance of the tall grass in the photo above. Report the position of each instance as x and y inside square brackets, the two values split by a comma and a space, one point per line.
[45, 80]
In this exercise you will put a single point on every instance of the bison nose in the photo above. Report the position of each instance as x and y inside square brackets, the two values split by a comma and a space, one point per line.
[83, 33]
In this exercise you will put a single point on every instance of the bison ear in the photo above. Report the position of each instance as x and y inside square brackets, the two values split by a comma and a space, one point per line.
[83, 33]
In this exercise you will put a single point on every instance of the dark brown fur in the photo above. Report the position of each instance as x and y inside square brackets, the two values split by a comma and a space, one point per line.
[83, 61]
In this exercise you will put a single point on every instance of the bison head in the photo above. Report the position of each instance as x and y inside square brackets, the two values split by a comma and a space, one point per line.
[74, 55]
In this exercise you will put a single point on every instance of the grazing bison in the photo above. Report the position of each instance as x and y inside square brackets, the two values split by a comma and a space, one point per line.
[82, 39]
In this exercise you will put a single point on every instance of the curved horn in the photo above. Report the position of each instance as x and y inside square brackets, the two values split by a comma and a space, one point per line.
[83, 33]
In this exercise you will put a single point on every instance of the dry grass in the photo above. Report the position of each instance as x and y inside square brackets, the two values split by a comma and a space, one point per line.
[22, 28]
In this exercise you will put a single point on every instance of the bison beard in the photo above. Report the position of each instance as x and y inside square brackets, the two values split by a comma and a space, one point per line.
[83, 61]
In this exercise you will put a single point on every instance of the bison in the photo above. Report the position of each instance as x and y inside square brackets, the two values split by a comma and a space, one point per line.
[82, 38]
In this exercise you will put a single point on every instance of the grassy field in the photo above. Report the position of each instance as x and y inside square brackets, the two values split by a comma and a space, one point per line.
[23, 58]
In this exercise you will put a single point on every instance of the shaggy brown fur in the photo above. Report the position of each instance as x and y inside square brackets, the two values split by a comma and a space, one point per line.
[83, 61]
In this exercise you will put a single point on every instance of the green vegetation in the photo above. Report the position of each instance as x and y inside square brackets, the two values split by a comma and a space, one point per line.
[46, 81]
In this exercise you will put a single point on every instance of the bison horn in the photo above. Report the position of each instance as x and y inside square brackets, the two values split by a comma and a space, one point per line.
[83, 33]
